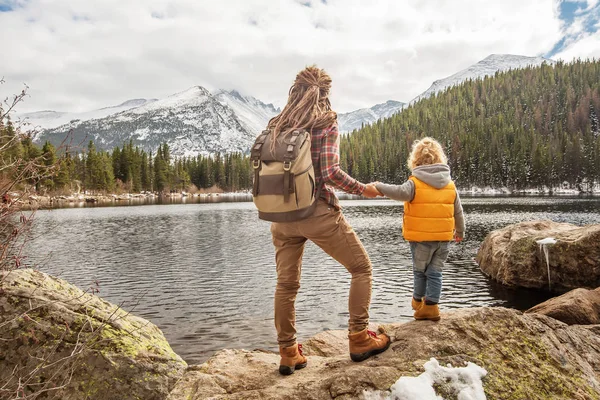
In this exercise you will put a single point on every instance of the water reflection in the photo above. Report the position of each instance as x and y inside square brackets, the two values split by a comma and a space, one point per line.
[205, 274]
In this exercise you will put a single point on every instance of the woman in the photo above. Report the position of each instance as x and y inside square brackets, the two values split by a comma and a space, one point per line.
[308, 107]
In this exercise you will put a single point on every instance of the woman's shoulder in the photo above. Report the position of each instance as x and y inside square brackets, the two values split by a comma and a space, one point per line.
[331, 130]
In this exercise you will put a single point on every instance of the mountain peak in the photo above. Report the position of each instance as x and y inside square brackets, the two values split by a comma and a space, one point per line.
[194, 91]
[253, 113]
[355, 119]
[486, 67]
[497, 56]
[237, 95]
[133, 103]
[513, 58]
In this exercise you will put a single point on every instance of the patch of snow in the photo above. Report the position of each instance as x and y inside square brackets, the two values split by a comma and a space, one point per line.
[464, 382]
[548, 240]
[488, 191]
[142, 133]
[557, 191]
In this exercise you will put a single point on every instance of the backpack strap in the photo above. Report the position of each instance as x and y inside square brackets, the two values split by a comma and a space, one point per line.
[320, 180]
[255, 157]
[287, 165]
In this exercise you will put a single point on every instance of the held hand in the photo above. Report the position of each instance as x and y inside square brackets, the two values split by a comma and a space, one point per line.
[457, 239]
[374, 184]
[371, 191]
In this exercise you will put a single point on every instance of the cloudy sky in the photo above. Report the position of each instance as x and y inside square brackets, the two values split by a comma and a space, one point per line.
[79, 55]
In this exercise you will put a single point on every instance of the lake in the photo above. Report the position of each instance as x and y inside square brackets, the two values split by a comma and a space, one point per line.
[205, 273]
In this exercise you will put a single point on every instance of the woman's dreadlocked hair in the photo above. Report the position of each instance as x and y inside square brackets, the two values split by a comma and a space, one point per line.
[308, 105]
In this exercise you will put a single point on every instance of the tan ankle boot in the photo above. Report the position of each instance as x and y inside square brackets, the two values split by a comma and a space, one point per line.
[430, 312]
[291, 359]
[416, 304]
[365, 344]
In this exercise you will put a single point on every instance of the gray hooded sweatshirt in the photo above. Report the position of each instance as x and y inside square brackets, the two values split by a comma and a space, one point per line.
[435, 175]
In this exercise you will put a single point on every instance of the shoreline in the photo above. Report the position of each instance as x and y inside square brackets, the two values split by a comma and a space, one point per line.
[143, 198]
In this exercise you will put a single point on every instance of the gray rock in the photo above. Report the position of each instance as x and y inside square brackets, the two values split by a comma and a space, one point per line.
[579, 306]
[512, 257]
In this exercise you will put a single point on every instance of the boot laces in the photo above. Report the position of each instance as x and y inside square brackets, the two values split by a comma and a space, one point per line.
[372, 334]
[300, 349]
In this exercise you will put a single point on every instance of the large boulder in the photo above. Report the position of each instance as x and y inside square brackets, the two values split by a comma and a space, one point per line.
[527, 356]
[61, 342]
[579, 306]
[512, 257]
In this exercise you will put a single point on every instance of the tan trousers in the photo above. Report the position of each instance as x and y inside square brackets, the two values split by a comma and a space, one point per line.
[329, 230]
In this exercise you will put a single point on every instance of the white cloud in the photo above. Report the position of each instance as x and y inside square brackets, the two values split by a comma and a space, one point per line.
[77, 56]
[591, 4]
[587, 47]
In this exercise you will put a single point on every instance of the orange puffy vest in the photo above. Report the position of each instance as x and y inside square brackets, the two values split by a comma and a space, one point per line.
[430, 215]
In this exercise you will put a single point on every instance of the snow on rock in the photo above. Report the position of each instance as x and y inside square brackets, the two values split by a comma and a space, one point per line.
[544, 247]
[548, 240]
[464, 383]
[488, 66]
[366, 116]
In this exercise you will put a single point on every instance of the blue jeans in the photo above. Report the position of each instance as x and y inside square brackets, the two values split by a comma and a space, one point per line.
[428, 261]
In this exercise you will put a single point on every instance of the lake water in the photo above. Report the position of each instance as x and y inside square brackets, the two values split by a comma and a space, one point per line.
[205, 273]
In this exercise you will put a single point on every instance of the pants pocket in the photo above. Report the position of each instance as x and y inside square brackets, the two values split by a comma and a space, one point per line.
[421, 255]
[440, 257]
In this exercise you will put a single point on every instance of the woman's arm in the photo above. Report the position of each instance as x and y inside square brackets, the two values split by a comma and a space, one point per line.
[331, 171]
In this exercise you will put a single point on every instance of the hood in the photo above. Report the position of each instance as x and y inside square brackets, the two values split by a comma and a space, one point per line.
[436, 175]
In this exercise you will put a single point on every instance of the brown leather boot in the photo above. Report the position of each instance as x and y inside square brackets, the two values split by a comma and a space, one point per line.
[291, 359]
[430, 312]
[416, 304]
[365, 344]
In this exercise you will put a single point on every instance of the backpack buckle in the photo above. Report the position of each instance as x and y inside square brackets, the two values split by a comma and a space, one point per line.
[256, 164]
[287, 165]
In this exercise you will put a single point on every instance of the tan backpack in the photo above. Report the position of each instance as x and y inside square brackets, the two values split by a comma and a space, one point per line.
[284, 179]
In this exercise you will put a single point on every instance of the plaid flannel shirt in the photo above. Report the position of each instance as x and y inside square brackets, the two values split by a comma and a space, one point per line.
[327, 166]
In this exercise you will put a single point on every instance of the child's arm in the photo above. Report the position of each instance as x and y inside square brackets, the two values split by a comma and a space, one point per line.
[404, 192]
[459, 220]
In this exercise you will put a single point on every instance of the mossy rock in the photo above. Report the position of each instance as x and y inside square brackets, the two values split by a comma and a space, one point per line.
[526, 356]
[75, 340]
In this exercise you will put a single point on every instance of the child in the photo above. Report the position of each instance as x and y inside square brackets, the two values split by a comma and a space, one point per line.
[433, 216]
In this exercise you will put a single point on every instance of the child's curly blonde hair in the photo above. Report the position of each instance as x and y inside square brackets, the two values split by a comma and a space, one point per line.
[426, 151]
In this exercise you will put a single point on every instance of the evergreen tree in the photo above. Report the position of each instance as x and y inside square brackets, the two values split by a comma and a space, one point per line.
[526, 128]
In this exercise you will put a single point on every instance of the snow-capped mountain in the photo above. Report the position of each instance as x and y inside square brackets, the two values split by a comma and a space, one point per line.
[53, 119]
[356, 119]
[252, 113]
[191, 122]
[198, 122]
[488, 66]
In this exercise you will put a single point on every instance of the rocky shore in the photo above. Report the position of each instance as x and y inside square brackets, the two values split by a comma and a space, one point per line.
[79, 200]
[63, 201]
[45, 320]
